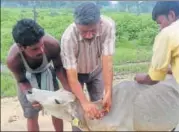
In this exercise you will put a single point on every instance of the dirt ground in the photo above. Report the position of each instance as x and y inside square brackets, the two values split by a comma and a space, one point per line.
[12, 117]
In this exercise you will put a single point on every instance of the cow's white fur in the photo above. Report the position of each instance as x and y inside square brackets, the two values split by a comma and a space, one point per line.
[134, 107]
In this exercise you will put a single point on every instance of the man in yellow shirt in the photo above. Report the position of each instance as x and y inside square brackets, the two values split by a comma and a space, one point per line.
[165, 59]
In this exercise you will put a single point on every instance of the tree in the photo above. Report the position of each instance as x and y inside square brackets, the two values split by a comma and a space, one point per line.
[34, 10]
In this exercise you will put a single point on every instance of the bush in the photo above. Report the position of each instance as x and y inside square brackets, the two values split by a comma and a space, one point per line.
[130, 27]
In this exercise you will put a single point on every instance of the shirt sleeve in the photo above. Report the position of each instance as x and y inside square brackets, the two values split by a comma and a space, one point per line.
[109, 42]
[161, 57]
[68, 53]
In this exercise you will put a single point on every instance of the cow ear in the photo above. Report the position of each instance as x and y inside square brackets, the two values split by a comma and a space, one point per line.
[56, 101]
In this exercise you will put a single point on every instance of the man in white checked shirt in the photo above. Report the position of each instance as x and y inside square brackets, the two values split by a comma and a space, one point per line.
[87, 46]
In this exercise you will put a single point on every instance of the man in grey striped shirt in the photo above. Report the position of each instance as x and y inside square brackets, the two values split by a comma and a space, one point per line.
[87, 46]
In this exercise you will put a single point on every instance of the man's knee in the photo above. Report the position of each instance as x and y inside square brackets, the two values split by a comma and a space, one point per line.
[33, 119]
[28, 110]
[32, 123]
[31, 113]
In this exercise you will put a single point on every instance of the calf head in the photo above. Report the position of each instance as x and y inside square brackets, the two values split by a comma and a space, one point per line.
[58, 103]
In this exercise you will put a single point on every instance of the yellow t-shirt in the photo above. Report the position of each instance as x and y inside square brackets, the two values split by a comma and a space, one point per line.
[165, 53]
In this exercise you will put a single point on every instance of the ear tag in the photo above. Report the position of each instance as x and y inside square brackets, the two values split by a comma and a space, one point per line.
[75, 122]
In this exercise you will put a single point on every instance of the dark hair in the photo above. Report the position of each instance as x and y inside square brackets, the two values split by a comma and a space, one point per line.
[87, 13]
[27, 32]
[164, 7]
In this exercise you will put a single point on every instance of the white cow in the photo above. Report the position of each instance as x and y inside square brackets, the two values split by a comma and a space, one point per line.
[135, 107]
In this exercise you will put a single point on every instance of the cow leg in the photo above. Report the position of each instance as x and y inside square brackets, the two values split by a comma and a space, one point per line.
[173, 130]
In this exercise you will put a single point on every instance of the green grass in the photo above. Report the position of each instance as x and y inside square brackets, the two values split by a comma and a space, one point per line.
[131, 54]
[131, 68]
[8, 85]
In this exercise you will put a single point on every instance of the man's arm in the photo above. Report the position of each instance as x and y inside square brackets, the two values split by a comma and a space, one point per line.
[107, 73]
[160, 61]
[90, 108]
[107, 63]
[108, 79]
[61, 72]
[16, 68]
[68, 78]
[76, 86]
[144, 78]
[69, 63]
[54, 50]
[107, 52]
[169, 70]
[24, 85]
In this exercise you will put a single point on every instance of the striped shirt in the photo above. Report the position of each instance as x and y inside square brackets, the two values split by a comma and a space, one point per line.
[85, 55]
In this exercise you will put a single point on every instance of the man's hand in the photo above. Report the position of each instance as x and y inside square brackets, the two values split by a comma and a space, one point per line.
[169, 71]
[36, 105]
[144, 78]
[91, 110]
[107, 101]
[140, 77]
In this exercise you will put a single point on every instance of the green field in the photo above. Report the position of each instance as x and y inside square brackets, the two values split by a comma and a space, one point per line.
[8, 85]
[134, 37]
